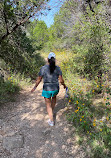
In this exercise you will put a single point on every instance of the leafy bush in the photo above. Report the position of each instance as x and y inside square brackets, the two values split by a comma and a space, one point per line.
[90, 113]
[19, 54]
[7, 89]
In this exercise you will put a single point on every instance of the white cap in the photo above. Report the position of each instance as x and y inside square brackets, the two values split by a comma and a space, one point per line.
[51, 54]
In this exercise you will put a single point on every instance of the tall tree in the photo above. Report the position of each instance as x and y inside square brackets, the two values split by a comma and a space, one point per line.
[84, 27]
[15, 13]
[38, 33]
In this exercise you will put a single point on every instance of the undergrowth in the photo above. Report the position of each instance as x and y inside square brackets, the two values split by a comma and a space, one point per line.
[89, 109]
[10, 85]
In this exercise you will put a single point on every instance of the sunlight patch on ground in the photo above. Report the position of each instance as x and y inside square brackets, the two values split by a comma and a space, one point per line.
[32, 116]
[98, 102]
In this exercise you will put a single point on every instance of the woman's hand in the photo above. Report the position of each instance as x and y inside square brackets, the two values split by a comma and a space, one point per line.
[37, 83]
[62, 81]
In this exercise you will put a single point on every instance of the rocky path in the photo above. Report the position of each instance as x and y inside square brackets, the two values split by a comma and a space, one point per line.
[24, 132]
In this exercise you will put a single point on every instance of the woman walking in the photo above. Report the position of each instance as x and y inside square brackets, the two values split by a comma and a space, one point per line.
[50, 74]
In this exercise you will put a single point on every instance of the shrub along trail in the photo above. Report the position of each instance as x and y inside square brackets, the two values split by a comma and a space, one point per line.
[24, 131]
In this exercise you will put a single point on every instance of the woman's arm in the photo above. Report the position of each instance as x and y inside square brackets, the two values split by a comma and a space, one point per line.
[62, 81]
[37, 83]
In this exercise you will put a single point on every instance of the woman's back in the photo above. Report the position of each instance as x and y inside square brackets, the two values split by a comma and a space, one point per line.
[50, 74]
[50, 79]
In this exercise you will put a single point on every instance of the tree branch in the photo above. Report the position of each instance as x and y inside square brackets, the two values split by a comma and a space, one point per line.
[90, 6]
[13, 29]
[24, 19]
[5, 17]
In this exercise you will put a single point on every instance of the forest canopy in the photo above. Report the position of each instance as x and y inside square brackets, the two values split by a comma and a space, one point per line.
[81, 26]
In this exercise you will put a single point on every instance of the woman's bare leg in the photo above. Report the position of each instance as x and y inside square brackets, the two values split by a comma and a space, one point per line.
[49, 108]
[53, 103]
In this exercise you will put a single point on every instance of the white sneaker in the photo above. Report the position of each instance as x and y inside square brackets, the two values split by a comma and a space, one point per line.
[51, 123]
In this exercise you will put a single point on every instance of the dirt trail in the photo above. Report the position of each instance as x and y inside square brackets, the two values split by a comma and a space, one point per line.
[24, 132]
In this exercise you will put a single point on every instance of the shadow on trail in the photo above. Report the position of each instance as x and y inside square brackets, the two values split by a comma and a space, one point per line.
[28, 117]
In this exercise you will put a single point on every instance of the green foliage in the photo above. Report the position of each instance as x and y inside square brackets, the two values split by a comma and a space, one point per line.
[95, 58]
[17, 13]
[11, 83]
[88, 110]
[38, 34]
[91, 115]
[86, 34]
[20, 56]
[16, 48]
[7, 89]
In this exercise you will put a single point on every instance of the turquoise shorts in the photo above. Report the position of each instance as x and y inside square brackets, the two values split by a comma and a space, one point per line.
[49, 94]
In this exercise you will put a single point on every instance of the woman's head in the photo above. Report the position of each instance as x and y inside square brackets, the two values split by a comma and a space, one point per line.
[51, 60]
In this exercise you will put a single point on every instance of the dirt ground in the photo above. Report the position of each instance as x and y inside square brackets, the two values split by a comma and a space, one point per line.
[25, 133]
